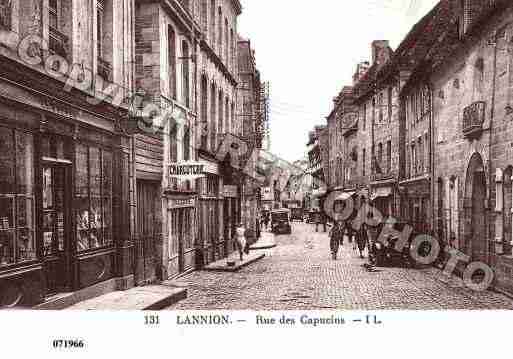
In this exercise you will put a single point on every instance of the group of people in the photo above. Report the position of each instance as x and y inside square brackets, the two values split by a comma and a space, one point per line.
[342, 229]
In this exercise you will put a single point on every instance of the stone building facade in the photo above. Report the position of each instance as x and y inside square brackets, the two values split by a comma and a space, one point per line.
[449, 125]
[66, 186]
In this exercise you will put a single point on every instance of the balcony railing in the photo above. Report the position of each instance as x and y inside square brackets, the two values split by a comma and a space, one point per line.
[58, 43]
[473, 119]
[104, 69]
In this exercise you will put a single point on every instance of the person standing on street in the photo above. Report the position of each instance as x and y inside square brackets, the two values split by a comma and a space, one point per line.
[241, 239]
[336, 238]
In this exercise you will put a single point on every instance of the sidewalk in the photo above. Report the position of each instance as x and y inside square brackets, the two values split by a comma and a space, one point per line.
[223, 264]
[266, 241]
[152, 297]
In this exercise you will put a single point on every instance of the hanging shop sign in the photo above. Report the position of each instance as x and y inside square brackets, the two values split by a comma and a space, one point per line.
[187, 170]
[181, 202]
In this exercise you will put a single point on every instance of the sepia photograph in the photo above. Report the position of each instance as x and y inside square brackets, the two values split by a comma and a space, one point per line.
[178, 156]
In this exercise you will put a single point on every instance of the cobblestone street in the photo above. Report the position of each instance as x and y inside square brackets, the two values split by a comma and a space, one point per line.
[299, 274]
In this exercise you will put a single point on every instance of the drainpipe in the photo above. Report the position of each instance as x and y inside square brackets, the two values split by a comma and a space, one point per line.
[490, 135]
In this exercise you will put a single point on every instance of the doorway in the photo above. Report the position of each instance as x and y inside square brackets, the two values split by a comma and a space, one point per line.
[476, 199]
[149, 230]
[56, 226]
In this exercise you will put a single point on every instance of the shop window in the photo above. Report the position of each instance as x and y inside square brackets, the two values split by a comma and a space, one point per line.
[212, 183]
[17, 237]
[93, 197]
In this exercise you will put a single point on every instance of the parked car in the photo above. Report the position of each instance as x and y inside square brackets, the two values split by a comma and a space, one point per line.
[280, 221]
[384, 253]
[297, 214]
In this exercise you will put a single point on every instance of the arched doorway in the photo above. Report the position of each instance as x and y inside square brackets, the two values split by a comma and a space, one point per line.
[475, 209]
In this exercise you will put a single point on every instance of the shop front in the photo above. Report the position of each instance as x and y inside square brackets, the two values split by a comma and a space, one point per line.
[231, 214]
[416, 204]
[61, 190]
[382, 198]
[210, 214]
[182, 225]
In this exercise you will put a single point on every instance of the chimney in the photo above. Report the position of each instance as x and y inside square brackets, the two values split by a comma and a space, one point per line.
[381, 52]
[470, 11]
[361, 69]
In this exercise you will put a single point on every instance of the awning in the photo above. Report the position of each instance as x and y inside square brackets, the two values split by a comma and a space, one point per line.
[381, 193]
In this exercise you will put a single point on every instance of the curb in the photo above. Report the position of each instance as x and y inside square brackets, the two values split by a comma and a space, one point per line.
[180, 294]
[235, 268]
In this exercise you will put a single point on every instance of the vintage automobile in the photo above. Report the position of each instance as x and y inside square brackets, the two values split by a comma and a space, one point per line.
[297, 214]
[384, 253]
[280, 221]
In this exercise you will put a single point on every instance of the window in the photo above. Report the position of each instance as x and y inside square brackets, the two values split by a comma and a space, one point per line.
[479, 77]
[226, 41]
[227, 114]
[213, 124]
[413, 160]
[204, 14]
[213, 21]
[380, 154]
[204, 112]
[53, 14]
[233, 122]
[17, 221]
[390, 103]
[6, 15]
[427, 156]
[364, 116]
[171, 59]
[380, 105]
[421, 154]
[93, 197]
[187, 143]
[220, 125]
[507, 209]
[389, 156]
[232, 44]
[364, 161]
[185, 73]
[99, 27]
[220, 31]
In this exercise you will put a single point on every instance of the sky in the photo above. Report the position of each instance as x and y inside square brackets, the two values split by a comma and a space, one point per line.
[308, 50]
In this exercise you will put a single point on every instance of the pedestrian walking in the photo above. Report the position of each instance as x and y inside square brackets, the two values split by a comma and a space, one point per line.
[361, 239]
[336, 238]
[241, 240]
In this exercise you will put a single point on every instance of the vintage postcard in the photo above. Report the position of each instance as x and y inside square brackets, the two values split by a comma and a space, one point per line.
[339, 164]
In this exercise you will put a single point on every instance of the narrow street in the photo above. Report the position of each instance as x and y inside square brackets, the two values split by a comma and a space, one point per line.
[299, 274]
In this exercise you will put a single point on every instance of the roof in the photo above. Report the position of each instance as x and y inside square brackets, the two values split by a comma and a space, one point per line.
[415, 47]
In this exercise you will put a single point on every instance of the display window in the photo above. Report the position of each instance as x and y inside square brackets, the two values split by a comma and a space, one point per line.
[17, 238]
[93, 197]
